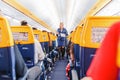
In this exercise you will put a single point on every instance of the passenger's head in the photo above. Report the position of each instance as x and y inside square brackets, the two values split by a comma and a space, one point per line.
[34, 28]
[24, 23]
[61, 25]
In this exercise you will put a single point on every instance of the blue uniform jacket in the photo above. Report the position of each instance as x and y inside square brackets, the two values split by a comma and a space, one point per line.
[62, 41]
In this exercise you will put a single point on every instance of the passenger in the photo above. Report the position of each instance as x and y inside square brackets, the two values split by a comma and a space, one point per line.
[104, 65]
[68, 47]
[70, 65]
[39, 54]
[20, 66]
[45, 45]
[72, 54]
[62, 41]
[24, 23]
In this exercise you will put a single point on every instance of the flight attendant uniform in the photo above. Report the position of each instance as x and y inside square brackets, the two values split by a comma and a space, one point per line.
[62, 41]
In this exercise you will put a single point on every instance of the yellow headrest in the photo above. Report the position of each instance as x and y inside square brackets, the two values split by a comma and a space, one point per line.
[22, 34]
[54, 37]
[45, 37]
[95, 29]
[38, 35]
[6, 39]
[72, 36]
[77, 35]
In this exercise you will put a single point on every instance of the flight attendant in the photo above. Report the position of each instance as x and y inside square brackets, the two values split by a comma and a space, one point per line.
[62, 41]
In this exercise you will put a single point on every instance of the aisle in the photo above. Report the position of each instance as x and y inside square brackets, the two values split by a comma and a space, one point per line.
[59, 70]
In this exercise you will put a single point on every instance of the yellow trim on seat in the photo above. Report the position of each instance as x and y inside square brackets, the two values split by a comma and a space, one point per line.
[54, 37]
[44, 37]
[92, 23]
[77, 35]
[72, 36]
[23, 29]
[6, 39]
[39, 33]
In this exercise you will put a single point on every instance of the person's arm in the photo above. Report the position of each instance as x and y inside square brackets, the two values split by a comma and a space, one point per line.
[66, 32]
[39, 51]
[87, 78]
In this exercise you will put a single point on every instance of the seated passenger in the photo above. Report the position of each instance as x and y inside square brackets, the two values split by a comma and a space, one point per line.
[24, 23]
[20, 66]
[70, 65]
[104, 65]
[39, 54]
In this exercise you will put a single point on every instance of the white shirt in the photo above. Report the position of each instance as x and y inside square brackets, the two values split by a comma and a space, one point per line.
[39, 54]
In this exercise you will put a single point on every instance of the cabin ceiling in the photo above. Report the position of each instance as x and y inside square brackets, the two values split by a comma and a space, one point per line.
[71, 12]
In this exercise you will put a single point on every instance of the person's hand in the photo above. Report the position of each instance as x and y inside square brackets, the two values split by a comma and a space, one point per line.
[87, 78]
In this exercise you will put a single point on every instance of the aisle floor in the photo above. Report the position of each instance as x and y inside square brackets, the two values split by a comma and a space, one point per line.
[58, 72]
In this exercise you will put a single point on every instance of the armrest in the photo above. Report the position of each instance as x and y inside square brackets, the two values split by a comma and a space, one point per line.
[74, 74]
[32, 73]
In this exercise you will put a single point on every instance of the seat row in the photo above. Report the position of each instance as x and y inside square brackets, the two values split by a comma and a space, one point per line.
[87, 38]
[23, 52]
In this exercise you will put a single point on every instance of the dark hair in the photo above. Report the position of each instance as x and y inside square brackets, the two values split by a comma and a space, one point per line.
[23, 22]
[44, 31]
[34, 28]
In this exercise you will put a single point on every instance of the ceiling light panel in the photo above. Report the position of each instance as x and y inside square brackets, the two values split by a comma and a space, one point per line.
[112, 9]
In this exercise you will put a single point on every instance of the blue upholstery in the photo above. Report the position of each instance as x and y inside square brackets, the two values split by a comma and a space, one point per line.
[45, 46]
[77, 58]
[86, 55]
[54, 44]
[7, 64]
[27, 51]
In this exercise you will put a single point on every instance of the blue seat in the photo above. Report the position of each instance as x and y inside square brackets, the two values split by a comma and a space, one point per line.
[7, 55]
[77, 58]
[46, 46]
[25, 43]
[75, 38]
[12, 65]
[27, 52]
[86, 57]
[7, 63]
[45, 41]
[92, 35]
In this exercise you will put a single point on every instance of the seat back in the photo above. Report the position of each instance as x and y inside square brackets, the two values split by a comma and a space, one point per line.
[45, 41]
[38, 36]
[76, 50]
[54, 38]
[24, 38]
[7, 55]
[92, 35]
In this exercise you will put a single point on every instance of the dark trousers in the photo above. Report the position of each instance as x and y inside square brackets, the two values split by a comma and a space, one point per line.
[61, 52]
